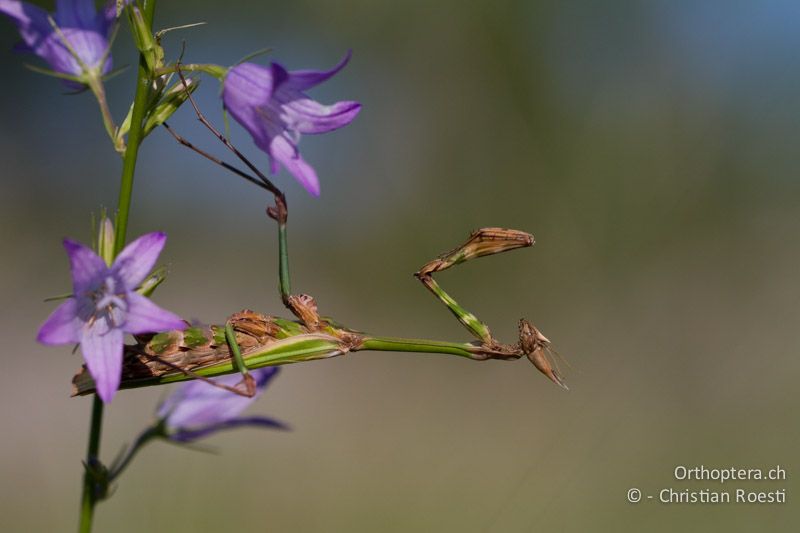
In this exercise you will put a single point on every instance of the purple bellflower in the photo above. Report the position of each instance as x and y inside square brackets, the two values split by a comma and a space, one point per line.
[105, 305]
[197, 409]
[271, 105]
[85, 30]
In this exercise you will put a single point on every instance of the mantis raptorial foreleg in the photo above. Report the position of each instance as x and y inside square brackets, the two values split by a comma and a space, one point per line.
[489, 241]
[485, 241]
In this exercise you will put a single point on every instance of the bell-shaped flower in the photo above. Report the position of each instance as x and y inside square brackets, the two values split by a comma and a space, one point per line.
[271, 104]
[74, 40]
[105, 305]
[197, 409]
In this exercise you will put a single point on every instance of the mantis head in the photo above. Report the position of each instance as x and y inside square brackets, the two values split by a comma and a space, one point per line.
[537, 347]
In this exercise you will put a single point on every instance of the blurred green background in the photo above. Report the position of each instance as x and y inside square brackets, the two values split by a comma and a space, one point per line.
[651, 147]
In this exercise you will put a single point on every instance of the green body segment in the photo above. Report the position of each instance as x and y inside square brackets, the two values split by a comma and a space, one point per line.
[298, 349]
[174, 356]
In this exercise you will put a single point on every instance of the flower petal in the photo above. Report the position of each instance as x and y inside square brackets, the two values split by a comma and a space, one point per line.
[87, 267]
[190, 435]
[26, 15]
[143, 316]
[269, 103]
[287, 155]
[306, 79]
[76, 14]
[102, 351]
[248, 88]
[309, 116]
[62, 326]
[247, 85]
[89, 45]
[198, 404]
[85, 30]
[31, 21]
[136, 261]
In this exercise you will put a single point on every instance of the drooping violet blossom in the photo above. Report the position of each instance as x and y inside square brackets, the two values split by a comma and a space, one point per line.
[271, 105]
[197, 409]
[86, 31]
[104, 306]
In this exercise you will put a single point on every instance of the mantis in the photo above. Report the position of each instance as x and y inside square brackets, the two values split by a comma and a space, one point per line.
[250, 340]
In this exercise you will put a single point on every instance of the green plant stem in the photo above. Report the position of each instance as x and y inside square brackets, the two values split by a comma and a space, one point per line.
[146, 436]
[131, 153]
[140, 103]
[89, 496]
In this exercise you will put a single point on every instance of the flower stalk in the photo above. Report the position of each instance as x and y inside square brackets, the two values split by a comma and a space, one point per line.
[196, 410]
[95, 84]
[89, 497]
[150, 433]
[90, 492]
[140, 103]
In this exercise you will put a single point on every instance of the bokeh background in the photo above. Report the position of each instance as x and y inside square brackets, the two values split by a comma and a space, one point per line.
[651, 147]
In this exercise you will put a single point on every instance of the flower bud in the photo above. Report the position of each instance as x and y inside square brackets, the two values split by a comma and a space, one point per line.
[151, 51]
[151, 282]
[172, 99]
[105, 240]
